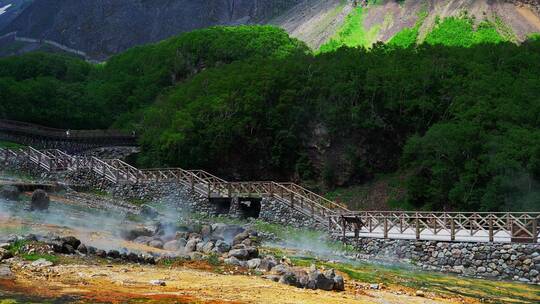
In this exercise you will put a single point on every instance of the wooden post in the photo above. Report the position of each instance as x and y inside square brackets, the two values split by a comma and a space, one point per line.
[271, 194]
[490, 228]
[192, 182]
[292, 199]
[417, 223]
[385, 227]
[452, 229]
[534, 230]
[343, 226]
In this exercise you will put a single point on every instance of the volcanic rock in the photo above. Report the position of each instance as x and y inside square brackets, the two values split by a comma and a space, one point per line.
[221, 247]
[227, 232]
[40, 200]
[241, 254]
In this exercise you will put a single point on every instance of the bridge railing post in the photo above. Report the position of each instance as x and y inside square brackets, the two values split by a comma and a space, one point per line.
[385, 227]
[417, 224]
[534, 230]
[452, 228]
[490, 222]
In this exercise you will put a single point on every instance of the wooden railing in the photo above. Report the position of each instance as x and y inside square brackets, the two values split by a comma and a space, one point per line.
[448, 226]
[475, 226]
[33, 129]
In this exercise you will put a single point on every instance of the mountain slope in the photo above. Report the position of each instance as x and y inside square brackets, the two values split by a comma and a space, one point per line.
[101, 28]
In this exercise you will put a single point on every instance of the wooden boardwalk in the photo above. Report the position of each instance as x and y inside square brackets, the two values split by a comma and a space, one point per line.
[341, 222]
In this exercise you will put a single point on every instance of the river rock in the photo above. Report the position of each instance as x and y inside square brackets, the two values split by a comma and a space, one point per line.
[40, 201]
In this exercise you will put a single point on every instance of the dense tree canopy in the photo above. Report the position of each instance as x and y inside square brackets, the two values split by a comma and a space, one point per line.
[462, 123]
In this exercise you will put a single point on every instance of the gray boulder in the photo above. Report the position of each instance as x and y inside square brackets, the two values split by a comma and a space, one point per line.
[226, 232]
[144, 240]
[281, 269]
[176, 245]
[267, 264]
[149, 212]
[221, 247]
[5, 272]
[191, 245]
[339, 283]
[156, 243]
[40, 201]
[241, 254]
[289, 279]
[5, 254]
[207, 248]
[239, 238]
[320, 281]
[254, 263]
[234, 262]
[9, 192]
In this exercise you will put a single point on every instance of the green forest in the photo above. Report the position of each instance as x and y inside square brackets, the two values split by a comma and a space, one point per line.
[458, 119]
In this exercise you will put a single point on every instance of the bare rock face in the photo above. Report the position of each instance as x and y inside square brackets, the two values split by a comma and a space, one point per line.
[40, 201]
[106, 27]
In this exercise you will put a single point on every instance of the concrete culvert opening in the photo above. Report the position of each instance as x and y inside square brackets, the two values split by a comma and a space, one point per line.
[222, 205]
[249, 207]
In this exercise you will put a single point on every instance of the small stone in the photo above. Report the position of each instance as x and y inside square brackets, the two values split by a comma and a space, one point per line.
[420, 293]
[158, 283]
[41, 263]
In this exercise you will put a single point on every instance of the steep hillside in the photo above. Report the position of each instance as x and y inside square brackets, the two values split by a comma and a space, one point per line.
[373, 21]
[106, 27]
[99, 29]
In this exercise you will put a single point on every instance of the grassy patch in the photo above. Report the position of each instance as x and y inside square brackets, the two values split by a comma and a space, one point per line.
[441, 284]
[459, 31]
[408, 37]
[352, 33]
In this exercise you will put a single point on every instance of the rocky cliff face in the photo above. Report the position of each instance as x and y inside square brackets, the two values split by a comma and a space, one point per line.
[104, 27]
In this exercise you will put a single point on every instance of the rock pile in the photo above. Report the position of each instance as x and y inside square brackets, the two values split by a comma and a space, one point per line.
[312, 279]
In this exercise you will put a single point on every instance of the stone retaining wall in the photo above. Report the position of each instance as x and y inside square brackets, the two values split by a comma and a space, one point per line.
[519, 262]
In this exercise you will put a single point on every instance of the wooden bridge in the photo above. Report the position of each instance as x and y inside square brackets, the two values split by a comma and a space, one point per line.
[341, 222]
[72, 140]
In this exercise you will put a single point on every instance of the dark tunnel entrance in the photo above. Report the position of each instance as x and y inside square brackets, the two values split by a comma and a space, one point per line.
[222, 205]
[249, 207]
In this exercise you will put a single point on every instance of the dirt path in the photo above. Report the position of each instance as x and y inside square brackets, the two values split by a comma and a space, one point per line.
[120, 283]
